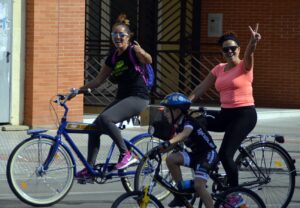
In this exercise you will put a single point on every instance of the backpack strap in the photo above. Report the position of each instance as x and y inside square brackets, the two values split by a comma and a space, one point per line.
[113, 58]
[137, 67]
[133, 60]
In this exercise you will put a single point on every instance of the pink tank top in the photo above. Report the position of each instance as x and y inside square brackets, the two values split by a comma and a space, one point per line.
[234, 85]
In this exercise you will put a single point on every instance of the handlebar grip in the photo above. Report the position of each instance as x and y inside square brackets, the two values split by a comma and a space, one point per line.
[84, 91]
[80, 91]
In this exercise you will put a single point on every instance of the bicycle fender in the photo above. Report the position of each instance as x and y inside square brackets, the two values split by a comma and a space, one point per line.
[36, 131]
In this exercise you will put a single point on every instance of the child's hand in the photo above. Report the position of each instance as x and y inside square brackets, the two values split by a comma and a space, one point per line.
[164, 146]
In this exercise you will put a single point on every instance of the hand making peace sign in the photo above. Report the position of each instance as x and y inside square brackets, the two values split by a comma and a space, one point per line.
[255, 36]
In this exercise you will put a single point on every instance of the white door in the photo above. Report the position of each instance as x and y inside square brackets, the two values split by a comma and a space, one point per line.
[5, 59]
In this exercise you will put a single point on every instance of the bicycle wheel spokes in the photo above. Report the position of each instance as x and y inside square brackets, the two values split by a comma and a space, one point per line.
[28, 179]
[144, 144]
[145, 173]
[275, 183]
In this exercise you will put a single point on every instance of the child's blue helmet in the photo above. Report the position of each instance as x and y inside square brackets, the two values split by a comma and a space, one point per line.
[177, 100]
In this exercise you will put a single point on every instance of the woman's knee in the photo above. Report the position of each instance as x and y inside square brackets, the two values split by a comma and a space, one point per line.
[102, 120]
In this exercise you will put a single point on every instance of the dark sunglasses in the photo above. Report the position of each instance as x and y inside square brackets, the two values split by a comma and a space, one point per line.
[232, 48]
[120, 34]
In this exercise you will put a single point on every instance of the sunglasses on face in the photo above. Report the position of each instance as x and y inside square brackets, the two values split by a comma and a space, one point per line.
[118, 34]
[232, 48]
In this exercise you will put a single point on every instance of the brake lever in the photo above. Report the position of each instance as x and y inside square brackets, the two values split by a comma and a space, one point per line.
[59, 97]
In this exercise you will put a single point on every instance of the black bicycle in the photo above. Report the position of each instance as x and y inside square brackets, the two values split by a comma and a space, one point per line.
[264, 166]
[267, 168]
[151, 163]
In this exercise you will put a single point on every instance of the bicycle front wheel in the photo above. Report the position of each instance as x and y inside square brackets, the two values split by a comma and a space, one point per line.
[144, 144]
[246, 198]
[30, 182]
[136, 199]
[145, 173]
[274, 179]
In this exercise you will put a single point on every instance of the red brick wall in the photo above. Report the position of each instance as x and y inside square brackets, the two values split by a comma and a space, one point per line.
[54, 57]
[277, 62]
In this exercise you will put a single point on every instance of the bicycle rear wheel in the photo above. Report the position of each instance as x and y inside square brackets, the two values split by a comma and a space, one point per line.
[144, 144]
[247, 198]
[27, 179]
[134, 199]
[277, 188]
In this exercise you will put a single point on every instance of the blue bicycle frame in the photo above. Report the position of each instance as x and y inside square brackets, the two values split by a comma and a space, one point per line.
[65, 128]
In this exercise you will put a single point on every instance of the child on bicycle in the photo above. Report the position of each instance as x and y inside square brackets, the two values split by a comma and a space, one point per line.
[200, 153]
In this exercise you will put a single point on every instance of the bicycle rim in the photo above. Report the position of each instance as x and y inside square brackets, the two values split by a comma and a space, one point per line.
[30, 186]
[144, 144]
[134, 200]
[246, 198]
[279, 189]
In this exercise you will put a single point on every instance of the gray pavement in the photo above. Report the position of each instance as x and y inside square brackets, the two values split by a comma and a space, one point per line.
[10, 136]
[284, 121]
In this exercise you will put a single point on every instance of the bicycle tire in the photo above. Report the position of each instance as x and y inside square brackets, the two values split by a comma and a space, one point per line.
[130, 200]
[31, 187]
[144, 144]
[249, 197]
[281, 172]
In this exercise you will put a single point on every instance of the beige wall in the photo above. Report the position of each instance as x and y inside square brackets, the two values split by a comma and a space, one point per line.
[17, 67]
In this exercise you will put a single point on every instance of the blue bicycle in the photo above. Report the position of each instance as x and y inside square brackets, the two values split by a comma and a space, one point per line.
[41, 169]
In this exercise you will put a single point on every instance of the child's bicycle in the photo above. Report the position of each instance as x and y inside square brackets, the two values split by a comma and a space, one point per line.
[264, 166]
[41, 169]
[152, 162]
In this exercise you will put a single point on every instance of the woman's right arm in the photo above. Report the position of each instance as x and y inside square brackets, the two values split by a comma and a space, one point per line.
[99, 80]
[202, 87]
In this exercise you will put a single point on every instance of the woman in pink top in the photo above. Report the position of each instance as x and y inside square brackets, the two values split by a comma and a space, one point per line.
[233, 80]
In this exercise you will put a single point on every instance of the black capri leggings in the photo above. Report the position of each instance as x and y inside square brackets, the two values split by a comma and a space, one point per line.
[117, 111]
[237, 123]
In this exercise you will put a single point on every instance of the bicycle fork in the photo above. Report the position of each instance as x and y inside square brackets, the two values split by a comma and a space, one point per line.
[143, 203]
[44, 165]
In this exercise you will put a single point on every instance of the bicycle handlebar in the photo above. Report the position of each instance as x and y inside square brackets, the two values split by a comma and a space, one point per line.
[63, 98]
[202, 110]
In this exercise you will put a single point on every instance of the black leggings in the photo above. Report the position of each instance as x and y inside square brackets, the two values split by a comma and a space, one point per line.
[237, 123]
[117, 111]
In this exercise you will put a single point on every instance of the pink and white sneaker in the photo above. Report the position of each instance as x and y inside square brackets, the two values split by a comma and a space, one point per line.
[126, 160]
[236, 201]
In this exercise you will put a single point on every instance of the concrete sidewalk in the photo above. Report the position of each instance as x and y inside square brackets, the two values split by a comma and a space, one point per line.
[9, 139]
